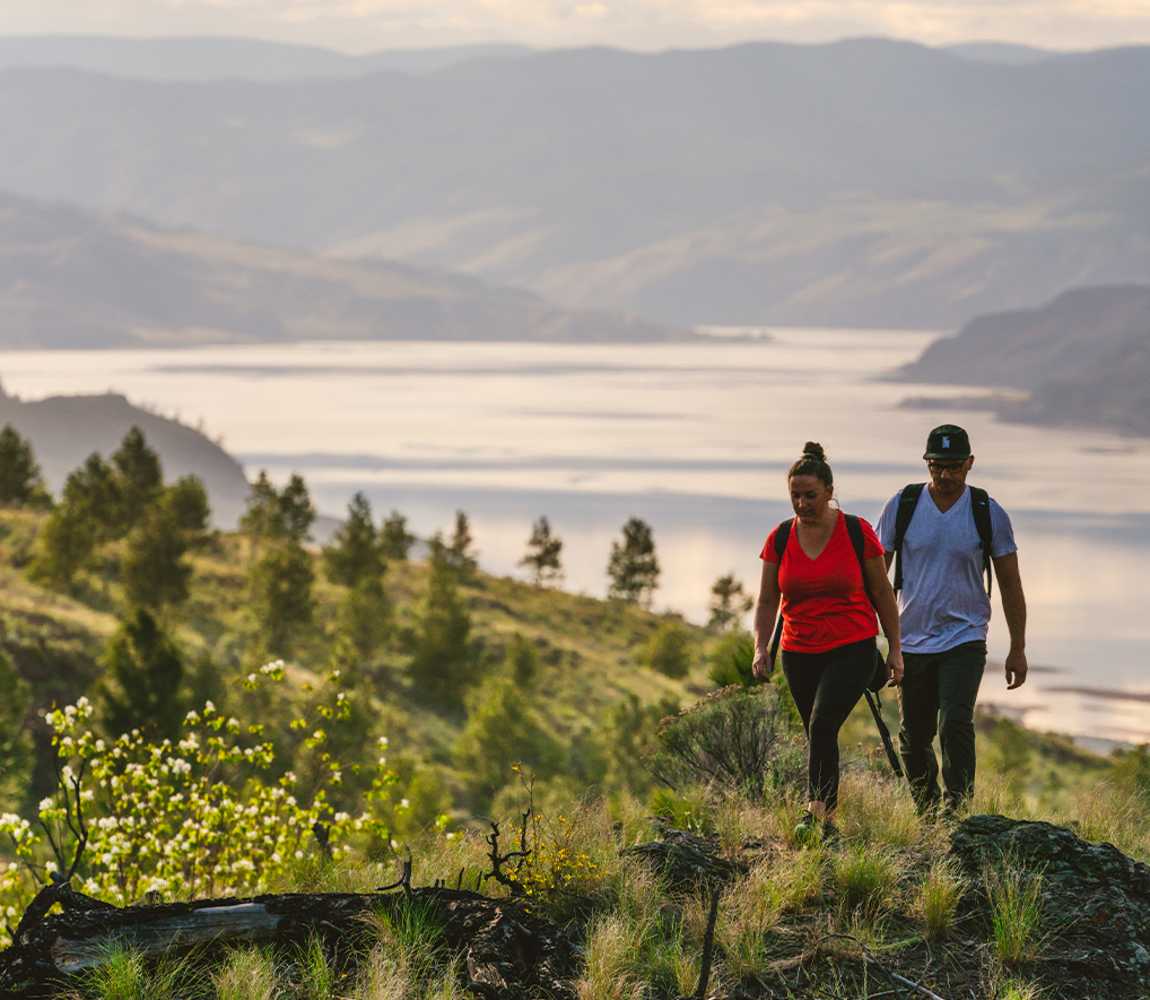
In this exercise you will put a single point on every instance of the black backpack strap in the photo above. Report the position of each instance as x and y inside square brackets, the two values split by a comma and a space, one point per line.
[782, 535]
[980, 508]
[907, 501]
[854, 529]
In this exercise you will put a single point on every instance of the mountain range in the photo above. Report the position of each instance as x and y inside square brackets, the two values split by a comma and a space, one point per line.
[70, 278]
[866, 182]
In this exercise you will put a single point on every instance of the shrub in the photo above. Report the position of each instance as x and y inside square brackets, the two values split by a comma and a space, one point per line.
[732, 738]
[730, 659]
[669, 650]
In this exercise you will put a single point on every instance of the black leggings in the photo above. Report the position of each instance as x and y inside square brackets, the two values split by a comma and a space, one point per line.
[826, 686]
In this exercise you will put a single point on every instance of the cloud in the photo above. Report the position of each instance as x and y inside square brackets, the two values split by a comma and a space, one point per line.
[647, 24]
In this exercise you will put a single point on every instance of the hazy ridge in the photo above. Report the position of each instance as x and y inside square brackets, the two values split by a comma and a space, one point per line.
[866, 182]
[1084, 358]
[74, 279]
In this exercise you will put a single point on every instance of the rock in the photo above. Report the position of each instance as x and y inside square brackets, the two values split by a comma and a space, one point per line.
[1096, 902]
[687, 860]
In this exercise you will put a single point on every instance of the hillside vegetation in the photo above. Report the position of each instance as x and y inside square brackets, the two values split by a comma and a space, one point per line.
[228, 730]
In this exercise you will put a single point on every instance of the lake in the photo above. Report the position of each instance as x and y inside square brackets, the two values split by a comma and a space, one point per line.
[695, 439]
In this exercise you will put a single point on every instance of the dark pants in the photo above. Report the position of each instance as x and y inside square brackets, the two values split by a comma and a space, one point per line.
[826, 686]
[938, 694]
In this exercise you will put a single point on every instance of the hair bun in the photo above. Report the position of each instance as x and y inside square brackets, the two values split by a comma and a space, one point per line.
[812, 449]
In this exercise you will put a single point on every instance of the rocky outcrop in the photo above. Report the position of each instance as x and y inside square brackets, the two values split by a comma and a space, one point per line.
[1095, 938]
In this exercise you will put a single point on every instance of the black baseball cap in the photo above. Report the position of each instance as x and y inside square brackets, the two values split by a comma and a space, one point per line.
[947, 443]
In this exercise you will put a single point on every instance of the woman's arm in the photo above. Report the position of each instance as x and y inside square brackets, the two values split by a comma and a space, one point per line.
[882, 594]
[766, 608]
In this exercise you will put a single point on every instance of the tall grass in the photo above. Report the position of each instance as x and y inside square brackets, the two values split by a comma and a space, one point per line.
[125, 974]
[1015, 898]
[938, 898]
[246, 974]
[865, 876]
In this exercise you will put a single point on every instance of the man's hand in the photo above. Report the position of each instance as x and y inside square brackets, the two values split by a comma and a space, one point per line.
[1016, 667]
[894, 665]
[761, 665]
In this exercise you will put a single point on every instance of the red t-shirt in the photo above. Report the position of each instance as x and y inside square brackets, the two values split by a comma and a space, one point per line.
[824, 600]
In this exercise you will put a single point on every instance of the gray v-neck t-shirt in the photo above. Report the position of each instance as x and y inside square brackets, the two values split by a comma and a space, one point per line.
[943, 601]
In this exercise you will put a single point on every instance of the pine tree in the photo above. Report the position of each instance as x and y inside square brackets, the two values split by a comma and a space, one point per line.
[729, 602]
[92, 493]
[154, 570]
[297, 510]
[20, 481]
[364, 618]
[186, 502]
[262, 519]
[144, 677]
[280, 583]
[633, 567]
[460, 553]
[355, 555]
[543, 552]
[441, 661]
[64, 546]
[138, 475]
[395, 540]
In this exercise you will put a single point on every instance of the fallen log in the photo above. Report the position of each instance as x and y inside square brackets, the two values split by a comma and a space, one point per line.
[507, 951]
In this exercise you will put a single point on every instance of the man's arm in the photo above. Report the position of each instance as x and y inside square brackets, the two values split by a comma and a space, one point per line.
[1014, 607]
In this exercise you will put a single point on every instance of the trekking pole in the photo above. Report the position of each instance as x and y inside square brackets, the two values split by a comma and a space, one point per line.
[875, 704]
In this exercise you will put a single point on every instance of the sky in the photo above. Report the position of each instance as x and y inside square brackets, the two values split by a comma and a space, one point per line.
[365, 25]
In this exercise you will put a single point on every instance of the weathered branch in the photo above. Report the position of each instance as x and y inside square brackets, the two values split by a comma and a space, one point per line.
[508, 953]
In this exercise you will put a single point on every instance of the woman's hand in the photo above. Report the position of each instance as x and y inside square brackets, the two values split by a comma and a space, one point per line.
[894, 665]
[761, 665]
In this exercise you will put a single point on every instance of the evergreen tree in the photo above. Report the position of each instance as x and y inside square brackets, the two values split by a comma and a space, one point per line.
[281, 600]
[186, 502]
[364, 619]
[441, 660]
[154, 570]
[543, 551]
[355, 555]
[144, 674]
[138, 475]
[461, 554]
[395, 539]
[20, 481]
[501, 731]
[262, 519]
[297, 510]
[64, 546]
[633, 567]
[729, 602]
[92, 493]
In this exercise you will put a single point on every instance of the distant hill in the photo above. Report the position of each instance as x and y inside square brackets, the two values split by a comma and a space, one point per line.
[1084, 358]
[1006, 53]
[75, 279]
[201, 59]
[65, 430]
[865, 182]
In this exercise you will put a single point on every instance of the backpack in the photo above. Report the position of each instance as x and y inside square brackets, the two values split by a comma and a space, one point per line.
[979, 508]
[854, 530]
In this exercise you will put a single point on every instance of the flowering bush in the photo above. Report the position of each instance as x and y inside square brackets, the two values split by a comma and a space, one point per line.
[205, 815]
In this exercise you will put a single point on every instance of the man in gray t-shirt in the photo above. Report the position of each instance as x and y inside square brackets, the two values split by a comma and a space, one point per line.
[944, 610]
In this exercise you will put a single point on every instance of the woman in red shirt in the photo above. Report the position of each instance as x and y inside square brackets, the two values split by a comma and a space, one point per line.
[829, 623]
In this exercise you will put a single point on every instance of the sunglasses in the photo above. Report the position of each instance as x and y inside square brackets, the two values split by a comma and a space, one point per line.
[945, 466]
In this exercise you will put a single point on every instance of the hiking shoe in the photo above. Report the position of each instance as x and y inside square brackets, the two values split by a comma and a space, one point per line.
[811, 831]
[808, 831]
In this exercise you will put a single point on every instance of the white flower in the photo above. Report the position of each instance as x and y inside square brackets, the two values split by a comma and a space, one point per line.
[46, 804]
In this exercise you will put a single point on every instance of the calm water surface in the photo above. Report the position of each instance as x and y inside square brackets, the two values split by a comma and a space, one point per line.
[693, 438]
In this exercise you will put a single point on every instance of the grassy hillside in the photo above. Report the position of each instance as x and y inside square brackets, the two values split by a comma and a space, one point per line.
[797, 919]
